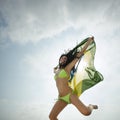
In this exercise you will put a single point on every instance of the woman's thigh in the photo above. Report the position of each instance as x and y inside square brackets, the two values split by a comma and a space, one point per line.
[57, 108]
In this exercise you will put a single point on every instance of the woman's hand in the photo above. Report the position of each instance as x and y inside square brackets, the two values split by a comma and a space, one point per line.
[55, 69]
[91, 38]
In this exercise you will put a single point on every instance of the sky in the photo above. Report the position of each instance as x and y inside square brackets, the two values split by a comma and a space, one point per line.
[34, 33]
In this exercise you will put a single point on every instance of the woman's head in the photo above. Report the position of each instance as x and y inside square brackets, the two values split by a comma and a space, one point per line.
[63, 60]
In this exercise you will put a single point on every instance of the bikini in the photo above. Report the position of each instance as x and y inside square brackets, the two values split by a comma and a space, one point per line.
[63, 74]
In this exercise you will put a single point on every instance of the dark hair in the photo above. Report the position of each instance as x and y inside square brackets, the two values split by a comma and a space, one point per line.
[70, 56]
[72, 53]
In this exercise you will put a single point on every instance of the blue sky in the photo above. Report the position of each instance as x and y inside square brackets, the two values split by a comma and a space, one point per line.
[34, 33]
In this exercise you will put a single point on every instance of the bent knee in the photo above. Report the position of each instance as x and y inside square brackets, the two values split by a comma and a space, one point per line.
[86, 113]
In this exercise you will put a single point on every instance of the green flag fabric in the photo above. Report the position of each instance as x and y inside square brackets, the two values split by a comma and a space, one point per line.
[86, 75]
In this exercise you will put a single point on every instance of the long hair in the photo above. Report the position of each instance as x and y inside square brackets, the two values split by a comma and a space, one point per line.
[72, 53]
[70, 57]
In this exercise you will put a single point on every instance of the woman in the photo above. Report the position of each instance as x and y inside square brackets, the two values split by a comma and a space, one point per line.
[66, 94]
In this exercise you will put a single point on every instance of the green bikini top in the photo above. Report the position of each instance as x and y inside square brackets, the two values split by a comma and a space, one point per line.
[62, 74]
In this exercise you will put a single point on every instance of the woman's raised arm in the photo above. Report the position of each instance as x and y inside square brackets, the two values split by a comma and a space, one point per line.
[79, 55]
[90, 39]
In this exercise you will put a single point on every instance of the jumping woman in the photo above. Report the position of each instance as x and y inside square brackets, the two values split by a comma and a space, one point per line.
[66, 93]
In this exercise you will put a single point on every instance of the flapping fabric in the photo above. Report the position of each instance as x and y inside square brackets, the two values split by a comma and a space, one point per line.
[86, 76]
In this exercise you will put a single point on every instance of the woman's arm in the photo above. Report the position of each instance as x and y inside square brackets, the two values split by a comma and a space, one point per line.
[90, 39]
[80, 54]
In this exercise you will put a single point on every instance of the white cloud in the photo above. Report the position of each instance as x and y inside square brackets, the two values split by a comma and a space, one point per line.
[32, 21]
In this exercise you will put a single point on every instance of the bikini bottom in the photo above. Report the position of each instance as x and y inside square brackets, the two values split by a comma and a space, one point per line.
[66, 98]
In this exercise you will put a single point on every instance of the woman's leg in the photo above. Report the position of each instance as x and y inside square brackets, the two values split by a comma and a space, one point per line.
[80, 106]
[57, 108]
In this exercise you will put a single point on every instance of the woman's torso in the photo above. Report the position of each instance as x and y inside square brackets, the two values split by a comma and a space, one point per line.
[62, 77]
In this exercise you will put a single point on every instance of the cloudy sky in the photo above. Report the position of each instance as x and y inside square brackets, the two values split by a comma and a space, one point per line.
[34, 33]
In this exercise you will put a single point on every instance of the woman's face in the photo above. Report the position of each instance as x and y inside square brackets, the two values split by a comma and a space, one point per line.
[63, 60]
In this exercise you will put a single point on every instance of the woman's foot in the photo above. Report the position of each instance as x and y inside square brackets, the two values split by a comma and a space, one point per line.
[93, 106]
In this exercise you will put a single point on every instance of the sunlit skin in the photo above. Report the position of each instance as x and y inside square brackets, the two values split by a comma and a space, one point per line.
[64, 89]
